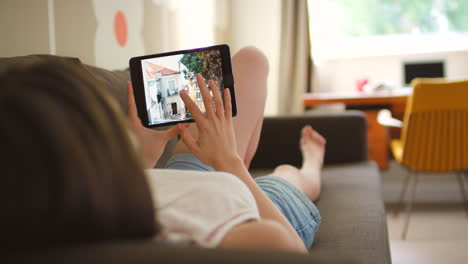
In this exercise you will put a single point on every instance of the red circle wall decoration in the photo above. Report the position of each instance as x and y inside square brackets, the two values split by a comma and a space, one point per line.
[120, 28]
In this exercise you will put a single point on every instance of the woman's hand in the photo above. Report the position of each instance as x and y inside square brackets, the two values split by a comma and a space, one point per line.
[216, 142]
[216, 147]
[151, 142]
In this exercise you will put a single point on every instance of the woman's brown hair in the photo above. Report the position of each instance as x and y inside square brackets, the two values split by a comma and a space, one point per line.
[69, 171]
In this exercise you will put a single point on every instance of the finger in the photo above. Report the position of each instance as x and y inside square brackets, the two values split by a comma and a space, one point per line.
[207, 100]
[227, 104]
[217, 99]
[188, 140]
[131, 106]
[192, 107]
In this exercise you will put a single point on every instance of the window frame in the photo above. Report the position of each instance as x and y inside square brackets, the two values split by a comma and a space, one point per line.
[329, 46]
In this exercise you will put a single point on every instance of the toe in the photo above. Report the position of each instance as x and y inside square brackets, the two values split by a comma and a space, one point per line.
[318, 138]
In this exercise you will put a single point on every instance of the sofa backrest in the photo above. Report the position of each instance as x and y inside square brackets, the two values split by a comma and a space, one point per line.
[346, 135]
[115, 83]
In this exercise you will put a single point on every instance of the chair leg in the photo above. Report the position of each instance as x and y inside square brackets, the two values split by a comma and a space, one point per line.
[462, 190]
[403, 193]
[409, 207]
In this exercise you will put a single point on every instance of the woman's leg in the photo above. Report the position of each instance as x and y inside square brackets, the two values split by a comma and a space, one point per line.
[250, 70]
[307, 178]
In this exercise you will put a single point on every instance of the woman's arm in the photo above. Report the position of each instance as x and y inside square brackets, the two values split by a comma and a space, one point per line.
[265, 234]
[268, 210]
[150, 142]
[216, 147]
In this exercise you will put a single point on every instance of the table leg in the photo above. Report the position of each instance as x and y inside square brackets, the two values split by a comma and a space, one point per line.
[377, 139]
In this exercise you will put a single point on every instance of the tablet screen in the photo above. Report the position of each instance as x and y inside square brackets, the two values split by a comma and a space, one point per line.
[164, 78]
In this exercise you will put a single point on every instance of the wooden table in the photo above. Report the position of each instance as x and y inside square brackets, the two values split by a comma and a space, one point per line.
[370, 102]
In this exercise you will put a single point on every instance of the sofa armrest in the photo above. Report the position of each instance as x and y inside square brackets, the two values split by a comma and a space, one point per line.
[345, 132]
[136, 252]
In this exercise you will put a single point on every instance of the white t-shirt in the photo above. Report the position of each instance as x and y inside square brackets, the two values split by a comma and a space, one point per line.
[199, 207]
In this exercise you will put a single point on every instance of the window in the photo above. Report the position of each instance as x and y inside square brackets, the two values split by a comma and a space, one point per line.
[171, 88]
[198, 96]
[171, 84]
[342, 28]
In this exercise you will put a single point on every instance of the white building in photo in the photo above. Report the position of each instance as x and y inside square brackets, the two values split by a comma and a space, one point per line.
[163, 86]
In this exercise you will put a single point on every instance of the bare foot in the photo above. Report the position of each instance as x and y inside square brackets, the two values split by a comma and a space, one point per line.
[306, 179]
[313, 149]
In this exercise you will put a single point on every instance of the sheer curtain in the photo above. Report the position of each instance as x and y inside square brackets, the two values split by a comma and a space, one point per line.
[295, 56]
[184, 24]
[161, 26]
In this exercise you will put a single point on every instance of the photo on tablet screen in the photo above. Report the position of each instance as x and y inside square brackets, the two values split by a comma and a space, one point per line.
[165, 77]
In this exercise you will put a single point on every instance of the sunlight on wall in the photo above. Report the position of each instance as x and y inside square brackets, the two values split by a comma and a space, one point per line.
[195, 23]
[196, 27]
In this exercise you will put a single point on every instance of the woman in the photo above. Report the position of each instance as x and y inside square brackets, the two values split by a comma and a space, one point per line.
[72, 173]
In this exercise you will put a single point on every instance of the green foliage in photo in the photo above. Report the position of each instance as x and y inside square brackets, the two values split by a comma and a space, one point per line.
[206, 63]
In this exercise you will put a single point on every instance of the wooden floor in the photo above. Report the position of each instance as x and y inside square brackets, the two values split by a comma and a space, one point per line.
[438, 231]
[435, 236]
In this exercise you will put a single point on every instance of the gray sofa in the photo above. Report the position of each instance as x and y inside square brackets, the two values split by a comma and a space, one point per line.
[351, 203]
[353, 226]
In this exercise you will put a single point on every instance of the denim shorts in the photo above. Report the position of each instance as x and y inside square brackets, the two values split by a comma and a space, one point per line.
[294, 204]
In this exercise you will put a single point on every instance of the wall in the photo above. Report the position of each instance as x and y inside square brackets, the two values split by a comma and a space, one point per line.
[24, 32]
[340, 75]
[85, 29]
[258, 23]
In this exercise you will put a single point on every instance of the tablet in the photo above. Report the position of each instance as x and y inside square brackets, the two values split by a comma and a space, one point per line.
[158, 79]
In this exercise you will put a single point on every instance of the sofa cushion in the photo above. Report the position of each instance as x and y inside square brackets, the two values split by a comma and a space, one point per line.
[353, 214]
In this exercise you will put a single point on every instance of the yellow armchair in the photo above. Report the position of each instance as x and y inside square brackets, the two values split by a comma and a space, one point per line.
[434, 134]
